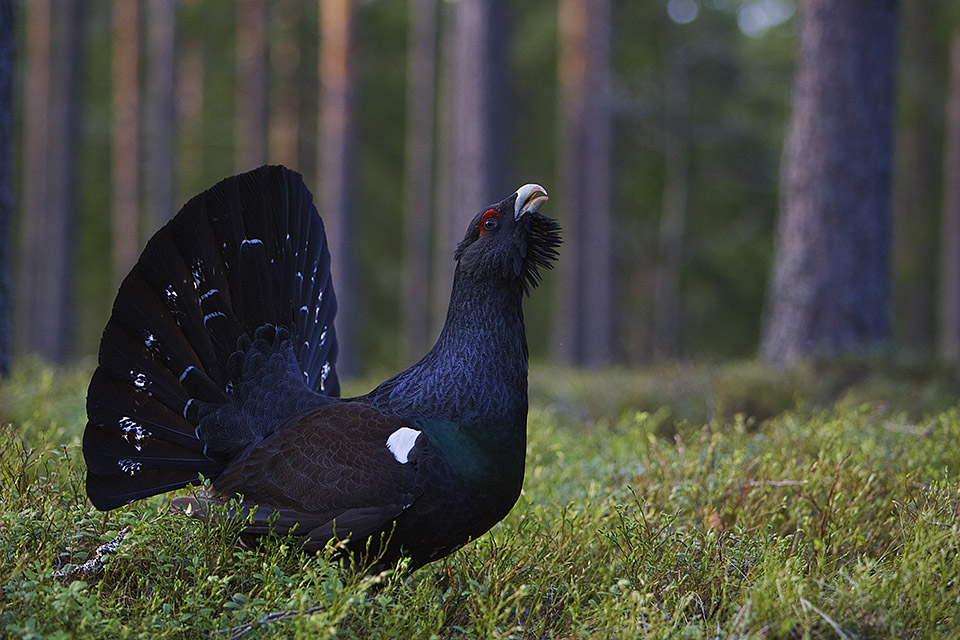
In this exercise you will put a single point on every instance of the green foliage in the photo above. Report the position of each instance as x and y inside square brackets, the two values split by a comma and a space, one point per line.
[46, 405]
[834, 515]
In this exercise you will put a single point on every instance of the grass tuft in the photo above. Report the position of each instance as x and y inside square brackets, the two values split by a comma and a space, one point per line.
[703, 503]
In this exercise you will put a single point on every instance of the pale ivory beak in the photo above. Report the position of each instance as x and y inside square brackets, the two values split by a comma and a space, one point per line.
[529, 199]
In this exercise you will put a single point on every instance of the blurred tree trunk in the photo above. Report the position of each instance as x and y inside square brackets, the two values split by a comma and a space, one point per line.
[441, 254]
[284, 134]
[190, 99]
[829, 288]
[252, 84]
[7, 69]
[584, 319]
[950, 226]
[161, 111]
[36, 179]
[45, 314]
[336, 166]
[124, 152]
[476, 153]
[919, 136]
[418, 176]
[667, 312]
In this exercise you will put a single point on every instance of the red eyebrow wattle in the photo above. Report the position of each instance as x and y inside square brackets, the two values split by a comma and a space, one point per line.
[489, 213]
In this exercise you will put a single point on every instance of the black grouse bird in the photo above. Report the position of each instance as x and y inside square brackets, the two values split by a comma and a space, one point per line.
[219, 359]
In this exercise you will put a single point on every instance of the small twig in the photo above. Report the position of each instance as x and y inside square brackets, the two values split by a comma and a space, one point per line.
[94, 565]
[776, 483]
[941, 524]
[806, 603]
[910, 429]
[244, 629]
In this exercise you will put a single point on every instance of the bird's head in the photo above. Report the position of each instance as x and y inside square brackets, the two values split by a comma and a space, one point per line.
[511, 240]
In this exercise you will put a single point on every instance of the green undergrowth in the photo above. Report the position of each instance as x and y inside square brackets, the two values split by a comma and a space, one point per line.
[683, 503]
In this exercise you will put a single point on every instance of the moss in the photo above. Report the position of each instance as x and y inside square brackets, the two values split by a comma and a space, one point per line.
[810, 503]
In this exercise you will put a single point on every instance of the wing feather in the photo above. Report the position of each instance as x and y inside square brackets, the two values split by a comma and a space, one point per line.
[325, 474]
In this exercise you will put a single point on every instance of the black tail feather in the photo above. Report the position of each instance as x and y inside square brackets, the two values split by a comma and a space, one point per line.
[116, 491]
[247, 253]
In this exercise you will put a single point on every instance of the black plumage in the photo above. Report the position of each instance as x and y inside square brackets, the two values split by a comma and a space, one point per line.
[219, 360]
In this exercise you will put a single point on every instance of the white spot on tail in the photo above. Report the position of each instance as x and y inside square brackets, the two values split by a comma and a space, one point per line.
[186, 371]
[208, 294]
[401, 442]
[186, 408]
[133, 432]
[129, 466]
[196, 270]
[251, 241]
[324, 372]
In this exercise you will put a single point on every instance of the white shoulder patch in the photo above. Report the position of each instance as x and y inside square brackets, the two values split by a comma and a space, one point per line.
[401, 441]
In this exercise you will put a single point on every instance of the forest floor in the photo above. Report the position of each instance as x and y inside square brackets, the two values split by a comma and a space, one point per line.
[676, 502]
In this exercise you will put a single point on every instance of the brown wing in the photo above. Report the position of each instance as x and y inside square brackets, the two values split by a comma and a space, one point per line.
[328, 473]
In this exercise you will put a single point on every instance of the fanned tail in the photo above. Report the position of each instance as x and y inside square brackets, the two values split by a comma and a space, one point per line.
[230, 307]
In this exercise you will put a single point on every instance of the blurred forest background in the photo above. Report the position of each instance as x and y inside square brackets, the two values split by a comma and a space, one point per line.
[657, 126]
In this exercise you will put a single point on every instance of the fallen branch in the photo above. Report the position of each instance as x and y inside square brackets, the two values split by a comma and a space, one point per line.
[94, 565]
[244, 629]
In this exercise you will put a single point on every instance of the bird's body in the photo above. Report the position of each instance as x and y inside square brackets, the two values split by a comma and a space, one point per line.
[219, 359]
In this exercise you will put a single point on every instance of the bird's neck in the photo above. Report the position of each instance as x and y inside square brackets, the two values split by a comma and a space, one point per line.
[476, 373]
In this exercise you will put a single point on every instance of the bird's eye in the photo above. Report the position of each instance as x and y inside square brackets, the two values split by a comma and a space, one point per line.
[489, 220]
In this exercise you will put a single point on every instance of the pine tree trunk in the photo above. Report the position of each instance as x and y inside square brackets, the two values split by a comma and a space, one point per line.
[190, 98]
[7, 68]
[919, 136]
[829, 289]
[252, 84]
[285, 99]
[159, 128]
[441, 277]
[950, 233]
[667, 311]
[584, 320]
[478, 101]
[124, 151]
[45, 317]
[36, 179]
[336, 167]
[418, 178]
